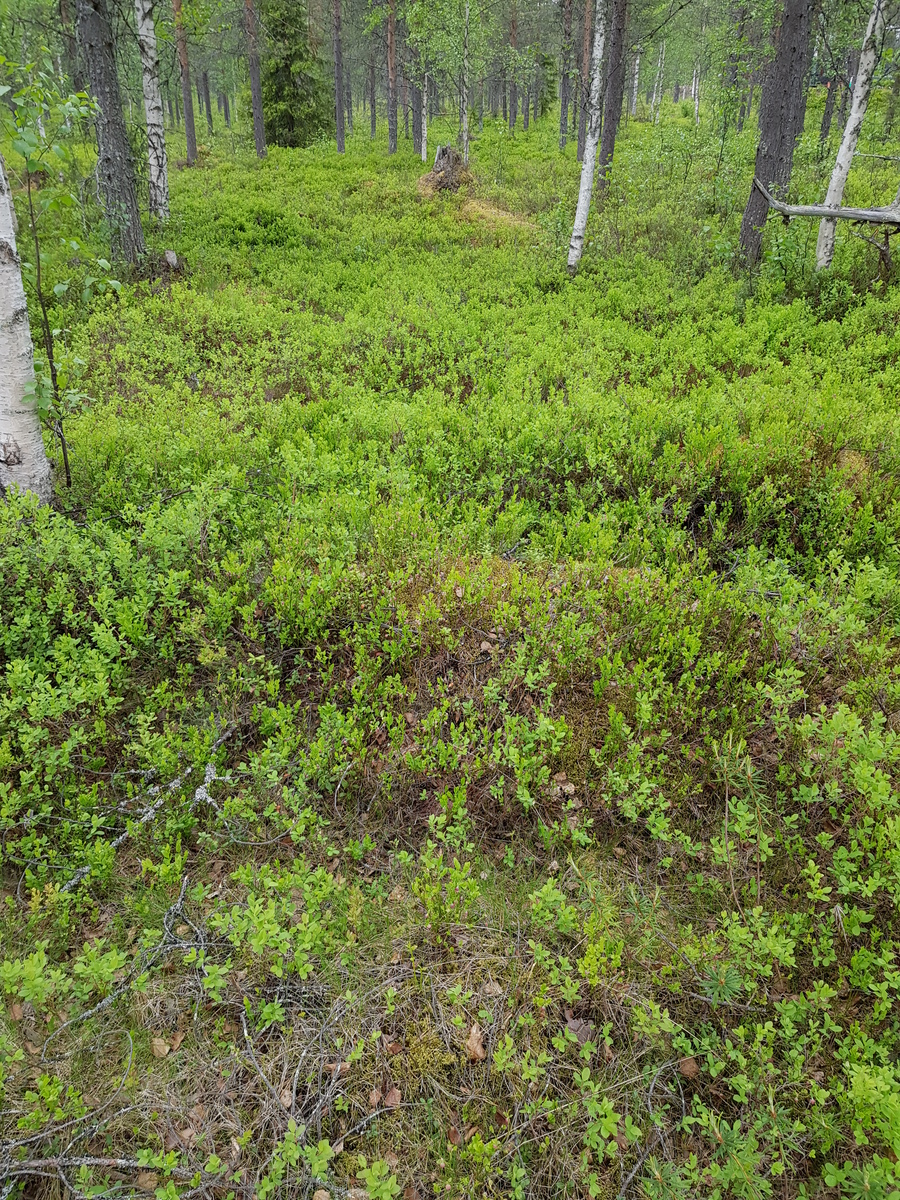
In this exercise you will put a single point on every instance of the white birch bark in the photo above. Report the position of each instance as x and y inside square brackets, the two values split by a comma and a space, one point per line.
[153, 110]
[425, 122]
[862, 86]
[696, 95]
[634, 88]
[656, 105]
[465, 88]
[23, 460]
[592, 141]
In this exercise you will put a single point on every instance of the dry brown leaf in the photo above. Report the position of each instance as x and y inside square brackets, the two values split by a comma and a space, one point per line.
[492, 989]
[188, 1135]
[471, 1130]
[396, 893]
[454, 1137]
[688, 1068]
[394, 1048]
[235, 1150]
[146, 1181]
[412, 1192]
[182, 930]
[619, 851]
[159, 1047]
[395, 958]
[374, 1097]
[475, 1044]
[393, 1098]
[177, 1039]
[321, 1194]
[338, 1147]
[487, 647]
[286, 1096]
[16, 1012]
[458, 592]
[607, 1053]
[197, 1114]
[32, 1048]
[392, 1160]
[581, 1029]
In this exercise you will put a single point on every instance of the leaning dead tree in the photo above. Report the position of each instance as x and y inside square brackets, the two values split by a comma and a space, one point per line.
[890, 215]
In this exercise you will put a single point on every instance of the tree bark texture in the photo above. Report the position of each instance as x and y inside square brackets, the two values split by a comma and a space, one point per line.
[348, 103]
[831, 88]
[207, 99]
[226, 111]
[23, 460]
[564, 76]
[372, 112]
[115, 168]
[862, 87]
[635, 82]
[392, 75]
[513, 86]
[338, 77]
[781, 114]
[417, 119]
[153, 110]
[252, 29]
[657, 84]
[585, 80]
[187, 98]
[592, 141]
[615, 87]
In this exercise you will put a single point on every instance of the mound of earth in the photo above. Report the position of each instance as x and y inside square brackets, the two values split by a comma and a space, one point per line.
[448, 174]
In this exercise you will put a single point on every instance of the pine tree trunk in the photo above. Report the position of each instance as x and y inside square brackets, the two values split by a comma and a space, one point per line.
[537, 93]
[417, 119]
[585, 90]
[526, 106]
[615, 87]
[187, 98]
[425, 120]
[226, 110]
[252, 30]
[392, 75]
[153, 110]
[564, 80]
[657, 84]
[372, 113]
[592, 141]
[23, 460]
[781, 114]
[71, 46]
[115, 168]
[348, 103]
[338, 78]
[831, 88]
[891, 113]
[207, 100]
[862, 87]
[465, 87]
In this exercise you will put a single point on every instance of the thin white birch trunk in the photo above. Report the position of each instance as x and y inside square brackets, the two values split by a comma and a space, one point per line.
[23, 460]
[425, 121]
[696, 95]
[634, 87]
[591, 142]
[153, 110]
[465, 88]
[862, 86]
[656, 106]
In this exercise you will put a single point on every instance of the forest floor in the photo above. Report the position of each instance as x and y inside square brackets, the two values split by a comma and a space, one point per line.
[449, 730]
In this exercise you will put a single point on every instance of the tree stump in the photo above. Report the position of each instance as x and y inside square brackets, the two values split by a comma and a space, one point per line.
[448, 174]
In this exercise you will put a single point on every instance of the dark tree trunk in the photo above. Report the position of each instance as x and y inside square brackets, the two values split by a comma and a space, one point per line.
[392, 75]
[372, 114]
[537, 92]
[417, 119]
[207, 101]
[526, 105]
[259, 129]
[564, 78]
[338, 78]
[177, 112]
[495, 98]
[115, 168]
[615, 87]
[503, 96]
[513, 85]
[73, 66]
[831, 87]
[780, 119]
[348, 102]
[404, 100]
[226, 110]
[186, 96]
[585, 77]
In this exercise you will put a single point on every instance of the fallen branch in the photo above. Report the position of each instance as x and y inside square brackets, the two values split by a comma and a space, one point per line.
[875, 216]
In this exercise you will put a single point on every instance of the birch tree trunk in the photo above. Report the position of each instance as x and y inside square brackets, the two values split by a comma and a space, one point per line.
[696, 94]
[634, 88]
[862, 86]
[657, 85]
[338, 79]
[187, 98]
[372, 111]
[153, 110]
[513, 84]
[465, 88]
[585, 81]
[259, 129]
[576, 245]
[392, 75]
[23, 460]
[425, 120]
[115, 167]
